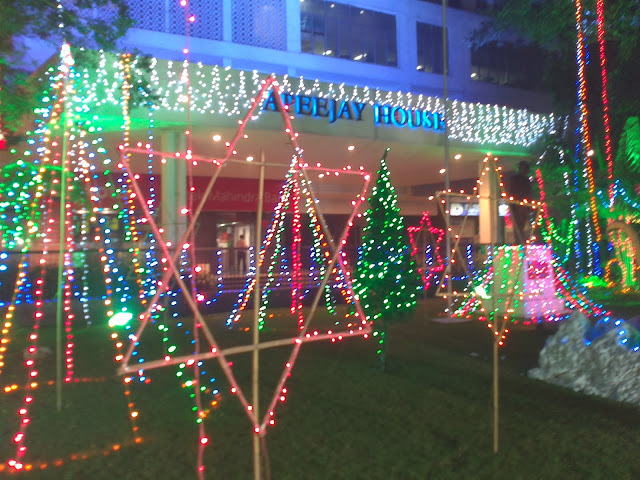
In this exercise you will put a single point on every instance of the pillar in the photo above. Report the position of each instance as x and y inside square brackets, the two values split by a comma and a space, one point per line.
[489, 191]
[174, 187]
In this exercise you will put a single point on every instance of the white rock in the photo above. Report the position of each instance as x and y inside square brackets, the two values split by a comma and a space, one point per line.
[603, 367]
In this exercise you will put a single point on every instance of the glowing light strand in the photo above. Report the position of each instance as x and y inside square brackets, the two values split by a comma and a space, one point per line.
[605, 98]
[583, 117]
[30, 361]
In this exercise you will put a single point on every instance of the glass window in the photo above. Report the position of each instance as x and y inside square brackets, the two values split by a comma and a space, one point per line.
[429, 42]
[508, 64]
[344, 31]
[479, 6]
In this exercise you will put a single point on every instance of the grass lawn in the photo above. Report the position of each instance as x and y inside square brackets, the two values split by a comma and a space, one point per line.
[428, 417]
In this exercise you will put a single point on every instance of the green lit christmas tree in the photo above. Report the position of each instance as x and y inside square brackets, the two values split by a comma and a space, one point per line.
[388, 280]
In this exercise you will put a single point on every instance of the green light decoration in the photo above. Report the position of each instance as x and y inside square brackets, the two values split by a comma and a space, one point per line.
[388, 280]
[19, 212]
[629, 148]
[120, 319]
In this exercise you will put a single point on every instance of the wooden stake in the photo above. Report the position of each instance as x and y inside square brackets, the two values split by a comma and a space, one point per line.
[63, 243]
[255, 371]
[496, 393]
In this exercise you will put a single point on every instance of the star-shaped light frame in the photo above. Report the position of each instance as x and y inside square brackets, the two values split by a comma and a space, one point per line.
[301, 173]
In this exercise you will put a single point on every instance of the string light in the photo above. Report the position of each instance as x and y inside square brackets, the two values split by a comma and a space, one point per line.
[30, 361]
[542, 297]
[584, 126]
[428, 272]
[605, 98]
[60, 462]
[116, 285]
[357, 326]
[226, 92]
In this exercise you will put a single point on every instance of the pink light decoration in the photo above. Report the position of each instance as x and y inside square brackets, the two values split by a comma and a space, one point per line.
[540, 299]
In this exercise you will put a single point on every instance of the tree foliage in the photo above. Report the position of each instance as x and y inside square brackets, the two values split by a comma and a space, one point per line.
[84, 24]
[550, 24]
[627, 167]
[629, 150]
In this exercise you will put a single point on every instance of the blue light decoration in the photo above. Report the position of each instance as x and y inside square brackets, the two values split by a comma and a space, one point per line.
[620, 193]
[627, 334]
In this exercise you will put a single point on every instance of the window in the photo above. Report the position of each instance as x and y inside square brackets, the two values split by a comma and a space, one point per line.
[507, 64]
[343, 31]
[162, 16]
[471, 5]
[429, 42]
[450, 3]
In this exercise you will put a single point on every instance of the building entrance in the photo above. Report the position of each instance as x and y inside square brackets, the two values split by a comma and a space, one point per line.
[234, 241]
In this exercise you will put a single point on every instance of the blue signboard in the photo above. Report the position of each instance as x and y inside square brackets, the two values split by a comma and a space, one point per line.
[349, 110]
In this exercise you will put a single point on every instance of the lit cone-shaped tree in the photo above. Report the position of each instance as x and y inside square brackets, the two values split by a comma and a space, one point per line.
[388, 280]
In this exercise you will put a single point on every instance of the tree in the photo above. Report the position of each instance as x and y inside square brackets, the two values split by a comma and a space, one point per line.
[550, 24]
[388, 280]
[84, 24]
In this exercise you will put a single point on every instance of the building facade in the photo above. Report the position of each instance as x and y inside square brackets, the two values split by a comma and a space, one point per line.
[358, 76]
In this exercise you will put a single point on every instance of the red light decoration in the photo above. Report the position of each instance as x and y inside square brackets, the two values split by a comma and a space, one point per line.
[605, 99]
[545, 211]
[584, 121]
[296, 290]
[12, 466]
[438, 235]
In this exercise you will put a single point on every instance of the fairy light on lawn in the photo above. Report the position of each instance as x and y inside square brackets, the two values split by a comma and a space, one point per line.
[116, 319]
[29, 215]
[551, 235]
[116, 286]
[128, 196]
[22, 285]
[191, 258]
